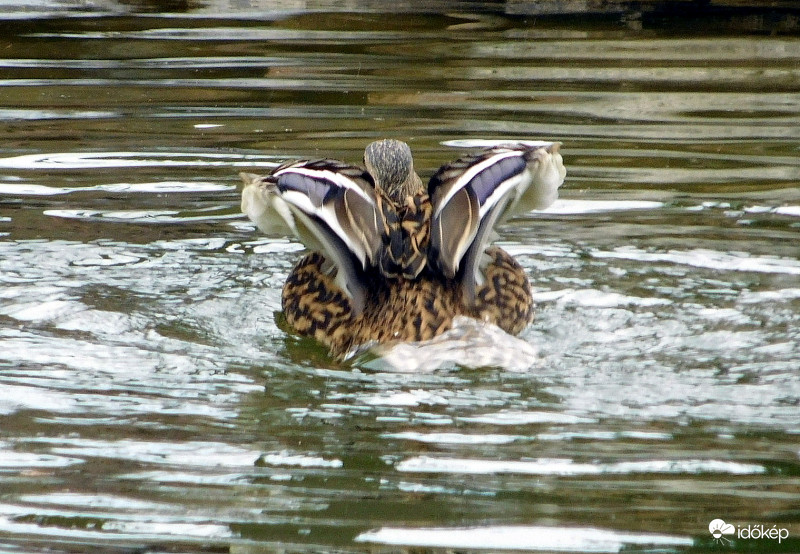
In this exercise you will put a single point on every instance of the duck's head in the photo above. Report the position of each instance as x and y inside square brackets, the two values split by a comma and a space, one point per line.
[390, 163]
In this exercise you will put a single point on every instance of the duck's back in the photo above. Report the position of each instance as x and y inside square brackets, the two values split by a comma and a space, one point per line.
[405, 237]
[401, 309]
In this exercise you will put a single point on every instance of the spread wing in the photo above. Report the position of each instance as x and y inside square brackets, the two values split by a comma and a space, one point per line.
[474, 193]
[330, 206]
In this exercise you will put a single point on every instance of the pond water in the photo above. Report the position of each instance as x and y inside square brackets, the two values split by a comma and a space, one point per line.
[150, 400]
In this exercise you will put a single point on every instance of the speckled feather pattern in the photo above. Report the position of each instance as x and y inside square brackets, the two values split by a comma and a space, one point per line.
[394, 261]
[405, 236]
[403, 309]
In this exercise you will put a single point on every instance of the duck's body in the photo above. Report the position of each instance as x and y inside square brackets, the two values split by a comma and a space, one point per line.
[392, 260]
[402, 309]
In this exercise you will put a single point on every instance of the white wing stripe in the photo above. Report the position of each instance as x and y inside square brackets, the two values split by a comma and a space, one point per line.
[326, 175]
[468, 175]
[502, 189]
[328, 215]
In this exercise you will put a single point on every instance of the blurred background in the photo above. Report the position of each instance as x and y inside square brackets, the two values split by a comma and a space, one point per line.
[152, 401]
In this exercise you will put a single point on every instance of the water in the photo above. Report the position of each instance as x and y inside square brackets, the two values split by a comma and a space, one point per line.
[149, 401]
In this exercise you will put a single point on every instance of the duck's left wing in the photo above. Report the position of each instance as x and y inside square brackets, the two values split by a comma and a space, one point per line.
[329, 205]
[471, 195]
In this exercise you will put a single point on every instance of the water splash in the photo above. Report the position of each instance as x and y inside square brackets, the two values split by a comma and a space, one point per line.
[469, 343]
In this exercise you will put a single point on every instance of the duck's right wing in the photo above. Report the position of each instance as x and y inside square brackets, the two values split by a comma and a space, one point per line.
[329, 205]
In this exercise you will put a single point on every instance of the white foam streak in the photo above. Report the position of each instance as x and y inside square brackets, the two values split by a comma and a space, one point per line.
[193, 454]
[568, 207]
[512, 417]
[27, 461]
[781, 295]
[598, 299]
[410, 398]
[454, 438]
[710, 259]
[136, 216]
[490, 143]
[11, 523]
[567, 467]
[98, 160]
[285, 458]
[561, 539]
[162, 187]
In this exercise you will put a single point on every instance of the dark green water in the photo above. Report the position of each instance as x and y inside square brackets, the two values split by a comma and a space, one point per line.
[149, 402]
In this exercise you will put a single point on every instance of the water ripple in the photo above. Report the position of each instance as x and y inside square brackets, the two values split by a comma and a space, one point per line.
[153, 397]
[105, 160]
[567, 467]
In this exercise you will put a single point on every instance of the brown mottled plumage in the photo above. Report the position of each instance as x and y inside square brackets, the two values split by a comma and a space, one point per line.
[402, 309]
[373, 275]
[405, 235]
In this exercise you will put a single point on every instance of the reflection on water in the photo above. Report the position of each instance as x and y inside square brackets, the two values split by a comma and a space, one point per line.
[152, 400]
[522, 538]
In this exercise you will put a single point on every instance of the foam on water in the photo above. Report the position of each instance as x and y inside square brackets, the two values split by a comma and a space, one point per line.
[120, 160]
[195, 453]
[137, 216]
[567, 207]
[286, 458]
[701, 257]
[534, 538]
[468, 342]
[164, 187]
[567, 467]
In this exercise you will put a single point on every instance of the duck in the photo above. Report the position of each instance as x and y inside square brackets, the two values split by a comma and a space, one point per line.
[392, 259]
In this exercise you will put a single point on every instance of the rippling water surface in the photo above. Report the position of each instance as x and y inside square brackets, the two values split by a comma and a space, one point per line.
[149, 401]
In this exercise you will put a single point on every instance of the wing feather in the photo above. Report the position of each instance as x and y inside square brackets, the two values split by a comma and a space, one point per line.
[330, 206]
[453, 230]
[327, 190]
[258, 203]
[474, 193]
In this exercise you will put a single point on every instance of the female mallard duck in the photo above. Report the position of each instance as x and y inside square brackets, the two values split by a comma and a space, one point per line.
[392, 261]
